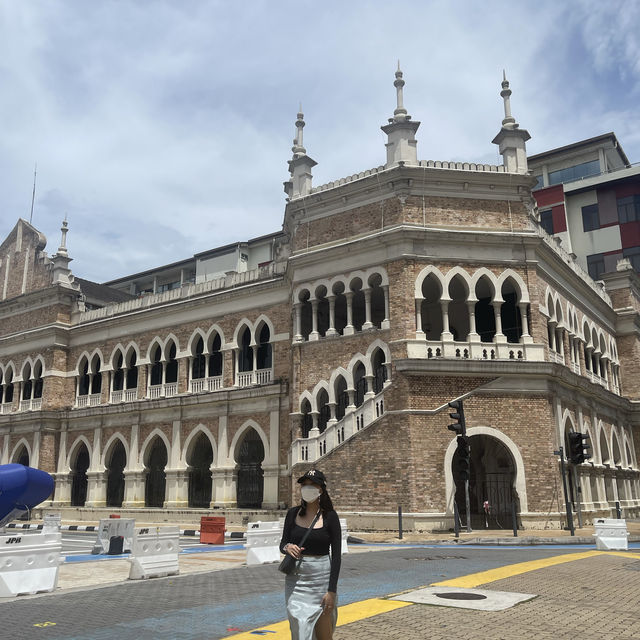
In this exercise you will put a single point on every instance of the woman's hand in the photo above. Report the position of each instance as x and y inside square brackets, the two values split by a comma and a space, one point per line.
[294, 550]
[328, 602]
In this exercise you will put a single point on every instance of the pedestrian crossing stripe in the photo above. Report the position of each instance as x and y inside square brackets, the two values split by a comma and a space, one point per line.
[346, 615]
[483, 577]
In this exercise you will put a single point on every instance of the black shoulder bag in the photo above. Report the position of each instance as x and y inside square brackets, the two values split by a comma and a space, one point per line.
[289, 563]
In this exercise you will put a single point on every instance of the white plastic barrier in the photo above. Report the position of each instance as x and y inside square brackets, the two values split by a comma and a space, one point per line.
[29, 563]
[345, 535]
[52, 522]
[155, 553]
[611, 534]
[263, 542]
[110, 527]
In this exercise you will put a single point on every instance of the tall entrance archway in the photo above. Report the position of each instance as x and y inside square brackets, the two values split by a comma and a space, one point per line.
[155, 481]
[199, 462]
[116, 462]
[22, 456]
[250, 485]
[79, 467]
[492, 479]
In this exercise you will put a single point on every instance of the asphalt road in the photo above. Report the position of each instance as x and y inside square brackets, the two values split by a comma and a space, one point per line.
[208, 606]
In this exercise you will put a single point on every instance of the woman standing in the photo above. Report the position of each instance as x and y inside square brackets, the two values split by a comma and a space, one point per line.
[310, 591]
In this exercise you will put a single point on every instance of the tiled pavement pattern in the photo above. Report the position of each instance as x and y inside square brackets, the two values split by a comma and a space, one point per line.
[597, 598]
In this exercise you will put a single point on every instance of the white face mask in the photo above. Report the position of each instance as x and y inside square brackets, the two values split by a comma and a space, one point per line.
[310, 493]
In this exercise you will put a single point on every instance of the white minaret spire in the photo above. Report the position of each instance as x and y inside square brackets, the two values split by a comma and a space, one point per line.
[300, 165]
[62, 249]
[511, 139]
[401, 130]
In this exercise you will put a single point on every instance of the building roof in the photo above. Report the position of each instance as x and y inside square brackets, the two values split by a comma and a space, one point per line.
[101, 293]
[611, 136]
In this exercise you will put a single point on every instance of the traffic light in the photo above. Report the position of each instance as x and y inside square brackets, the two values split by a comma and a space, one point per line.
[459, 426]
[463, 457]
[578, 447]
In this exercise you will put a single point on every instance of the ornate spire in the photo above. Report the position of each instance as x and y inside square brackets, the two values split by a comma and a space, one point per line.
[400, 113]
[300, 165]
[401, 130]
[298, 148]
[62, 249]
[509, 121]
[511, 139]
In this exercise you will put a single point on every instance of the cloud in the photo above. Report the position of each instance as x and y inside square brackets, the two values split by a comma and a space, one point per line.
[163, 129]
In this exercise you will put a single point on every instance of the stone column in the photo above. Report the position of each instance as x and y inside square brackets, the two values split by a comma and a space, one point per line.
[177, 491]
[473, 334]
[270, 486]
[133, 489]
[386, 323]
[524, 320]
[369, 393]
[497, 307]
[331, 331]
[332, 410]
[419, 332]
[349, 328]
[96, 489]
[446, 333]
[314, 335]
[367, 310]
[184, 366]
[298, 337]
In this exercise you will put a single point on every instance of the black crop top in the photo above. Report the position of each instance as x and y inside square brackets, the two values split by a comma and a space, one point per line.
[318, 541]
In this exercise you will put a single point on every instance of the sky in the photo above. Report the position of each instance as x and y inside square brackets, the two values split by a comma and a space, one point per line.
[161, 129]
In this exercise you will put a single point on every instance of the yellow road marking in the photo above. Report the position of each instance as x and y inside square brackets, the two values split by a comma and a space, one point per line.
[346, 615]
[483, 577]
[368, 608]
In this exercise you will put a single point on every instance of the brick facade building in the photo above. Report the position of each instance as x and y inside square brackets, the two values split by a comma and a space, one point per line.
[336, 342]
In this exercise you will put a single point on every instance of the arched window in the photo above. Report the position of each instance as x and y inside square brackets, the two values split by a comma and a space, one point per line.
[96, 375]
[324, 410]
[264, 360]
[510, 313]
[22, 456]
[27, 382]
[360, 383]
[458, 309]
[215, 357]
[245, 356]
[342, 397]
[322, 310]
[132, 375]
[377, 297]
[306, 314]
[430, 308]
[37, 380]
[156, 367]
[379, 371]
[484, 313]
[199, 363]
[84, 381]
[118, 373]
[307, 418]
[358, 313]
[6, 390]
[171, 366]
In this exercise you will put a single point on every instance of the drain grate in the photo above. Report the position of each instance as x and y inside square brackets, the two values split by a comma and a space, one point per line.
[460, 595]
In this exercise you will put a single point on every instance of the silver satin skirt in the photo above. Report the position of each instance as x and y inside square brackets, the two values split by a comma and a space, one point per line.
[303, 592]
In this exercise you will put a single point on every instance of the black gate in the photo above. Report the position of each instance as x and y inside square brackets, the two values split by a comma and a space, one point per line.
[200, 473]
[155, 482]
[250, 485]
[497, 490]
[115, 476]
[79, 478]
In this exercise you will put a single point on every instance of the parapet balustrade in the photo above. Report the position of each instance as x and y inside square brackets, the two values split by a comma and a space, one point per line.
[166, 390]
[475, 350]
[355, 419]
[6, 407]
[198, 385]
[33, 404]
[90, 400]
[248, 378]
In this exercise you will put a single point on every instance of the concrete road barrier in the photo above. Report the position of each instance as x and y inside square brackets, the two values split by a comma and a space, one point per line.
[155, 553]
[263, 542]
[611, 534]
[112, 528]
[29, 563]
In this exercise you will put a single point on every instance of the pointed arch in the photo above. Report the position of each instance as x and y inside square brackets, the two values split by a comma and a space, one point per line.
[215, 330]
[72, 452]
[156, 343]
[192, 439]
[429, 269]
[239, 435]
[457, 272]
[323, 385]
[149, 440]
[340, 372]
[520, 480]
[517, 278]
[108, 447]
[243, 324]
[482, 274]
[17, 448]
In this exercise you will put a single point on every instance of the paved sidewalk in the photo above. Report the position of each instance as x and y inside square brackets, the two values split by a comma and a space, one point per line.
[594, 599]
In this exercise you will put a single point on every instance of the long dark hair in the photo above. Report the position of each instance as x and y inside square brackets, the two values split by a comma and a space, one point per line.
[325, 504]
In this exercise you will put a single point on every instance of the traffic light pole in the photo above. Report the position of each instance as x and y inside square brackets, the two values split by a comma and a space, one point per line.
[467, 504]
[560, 453]
[578, 490]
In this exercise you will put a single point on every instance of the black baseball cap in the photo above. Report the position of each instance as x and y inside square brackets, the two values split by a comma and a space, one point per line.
[315, 476]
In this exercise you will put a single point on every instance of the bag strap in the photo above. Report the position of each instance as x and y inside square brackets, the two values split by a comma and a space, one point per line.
[313, 522]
